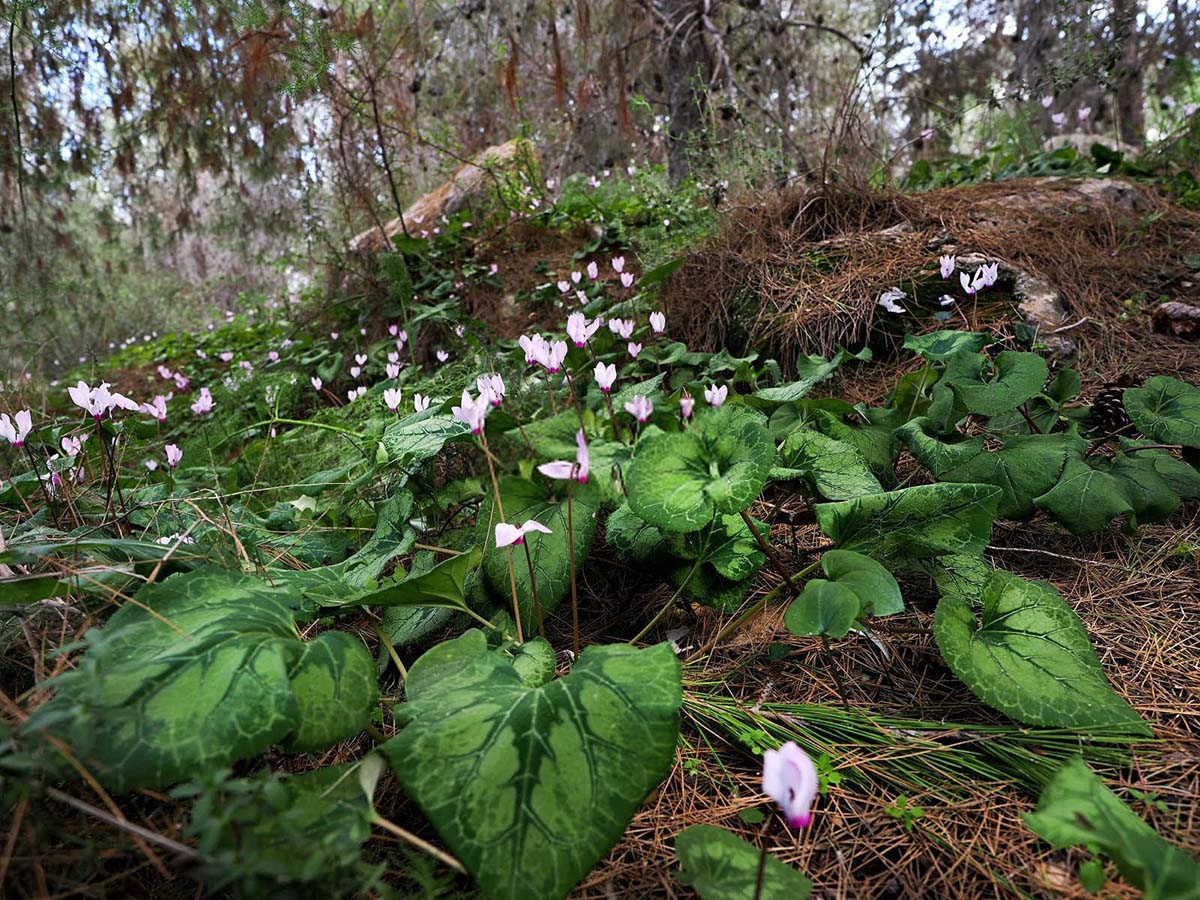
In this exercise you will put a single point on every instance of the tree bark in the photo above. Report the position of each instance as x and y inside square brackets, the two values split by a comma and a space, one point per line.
[689, 72]
[1131, 121]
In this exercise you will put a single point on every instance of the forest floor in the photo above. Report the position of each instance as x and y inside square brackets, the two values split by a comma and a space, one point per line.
[903, 731]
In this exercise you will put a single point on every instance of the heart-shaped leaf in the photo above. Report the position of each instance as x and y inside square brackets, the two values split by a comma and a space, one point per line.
[836, 469]
[679, 481]
[1018, 376]
[719, 865]
[858, 586]
[198, 674]
[810, 371]
[913, 523]
[938, 346]
[1166, 410]
[1077, 809]
[530, 787]
[1084, 499]
[1028, 655]
[421, 436]
[824, 607]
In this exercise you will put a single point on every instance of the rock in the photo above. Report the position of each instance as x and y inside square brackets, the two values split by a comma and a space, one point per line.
[1042, 307]
[469, 182]
[1179, 319]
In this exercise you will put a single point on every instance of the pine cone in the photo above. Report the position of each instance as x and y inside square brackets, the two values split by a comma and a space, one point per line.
[1107, 415]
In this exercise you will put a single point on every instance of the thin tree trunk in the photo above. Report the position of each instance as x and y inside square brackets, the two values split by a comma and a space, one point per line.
[689, 71]
[1131, 121]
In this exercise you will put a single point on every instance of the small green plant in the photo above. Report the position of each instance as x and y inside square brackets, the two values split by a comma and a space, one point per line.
[907, 814]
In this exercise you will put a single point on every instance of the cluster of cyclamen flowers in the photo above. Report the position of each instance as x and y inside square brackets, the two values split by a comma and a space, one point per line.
[985, 276]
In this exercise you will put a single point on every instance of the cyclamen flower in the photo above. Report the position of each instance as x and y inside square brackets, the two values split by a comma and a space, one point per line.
[507, 535]
[1047, 101]
[392, 370]
[99, 400]
[888, 300]
[393, 329]
[552, 355]
[227, 356]
[493, 269]
[947, 265]
[715, 395]
[686, 403]
[17, 428]
[492, 386]
[316, 383]
[658, 322]
[533, 346]
[576, 277]
[634, 349]
[1084, 113]
[563, 470]
[1058, 119]
[967, 285]
[157, 408]
[174, 455]
[181, 381]
[273, 356]
[460, 330]
[627, 280]
[618, 264]
[247, 365]
[204, 402]
[391, 398]
[401, 339]
[355, 371]
[593, 270]
[420, 402]
[987, 275]
[393, 357]
[333, 335]
[640, 407]
[72, 446]
[442, 356]
[581, 297]
[605, 376]
[946, 300]
[578, 329]
[150, 464]
[472, 411]
[164, 373]
[360, 358]
[622, 327]
[790, 779]
[564, 287]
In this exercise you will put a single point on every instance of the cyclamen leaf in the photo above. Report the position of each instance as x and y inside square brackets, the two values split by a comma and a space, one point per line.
[938, 346]
[335, 688]
[726, 543]
[719, 865]
[1166, 410]
[1181, 477]
[1028, 655]
[421, 436]
[1085, 499]
[858, 586]
[836, 469]
[824, 607]
[531, 787]
[914, 523]
[810, 371]
[634, 539]
[1142, 486]
[1077, 809]
[195, 675]
[1019, 376]
[679, 481]
[874, 585]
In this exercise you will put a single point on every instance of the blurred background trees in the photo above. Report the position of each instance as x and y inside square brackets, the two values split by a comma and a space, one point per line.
[160, 160]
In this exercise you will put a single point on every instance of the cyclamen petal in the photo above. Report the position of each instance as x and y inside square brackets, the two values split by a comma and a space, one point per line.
[790, 779]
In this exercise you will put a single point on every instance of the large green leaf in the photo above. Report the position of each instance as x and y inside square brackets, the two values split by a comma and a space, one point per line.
[1183, 478]
[679, 481]
[916, 522]
[858, 586]
[443, 585]
[836, 469]
[1077, 809]
[1142, 485]
[938, 346]
[810, 371]
[531, 787]
[1018, 377]
[1084, 499]
[726, 543]
[198, 673]
[1166, 410]
[1028, 655]
[634, 539]
[334, 686]
[1023, 467]
[719, 865]
[550, 553]
[421, 436]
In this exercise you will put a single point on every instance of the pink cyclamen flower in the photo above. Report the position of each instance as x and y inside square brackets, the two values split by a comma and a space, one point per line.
[686, 403]
[201, 354]
[634, 349]
[164, 373]
[391, 398]
[986, 275]
[174, 455]
[393, 329]
[442, 356]
[564, 287]
[333, 335]
[1047, 101]
[715, 395]
[593, 270]
[790, 779]
[17, 428]
[888, 300]
[181, 381]
[360, 358]
[576, 277]
[420, 402]
[316, 383]
[622, 327]
[392, 370]
[493, 269]
[507, 535]
[472, 411]
[355, 371]
[578, 328]
[626, 280]
[552, 355]
[618, 264]
[460, 330]
[640, 407]
[204, 402]
[1058, 119]
[532, 344]
[157, 408]
[1084, 113]
[947, 265]
[967, 284]
[393, 356]
[401, 339]
[72, 446]
[926, 134]
[491, 386]
[150, 464]
[605, 376]
[946, 300]
[273, 355]
[563, 470]
[226, 356]
[658, 322]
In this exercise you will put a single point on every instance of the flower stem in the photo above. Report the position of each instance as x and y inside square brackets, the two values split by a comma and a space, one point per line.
[571, 551]
[512, 574]
[537, 606]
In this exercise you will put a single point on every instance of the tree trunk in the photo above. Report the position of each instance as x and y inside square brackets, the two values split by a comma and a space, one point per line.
[689, 70]
[1131, 122]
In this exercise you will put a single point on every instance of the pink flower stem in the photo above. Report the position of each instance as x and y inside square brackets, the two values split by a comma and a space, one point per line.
[512, 574]
[612, 416]
[537, 606]
[571, 551]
